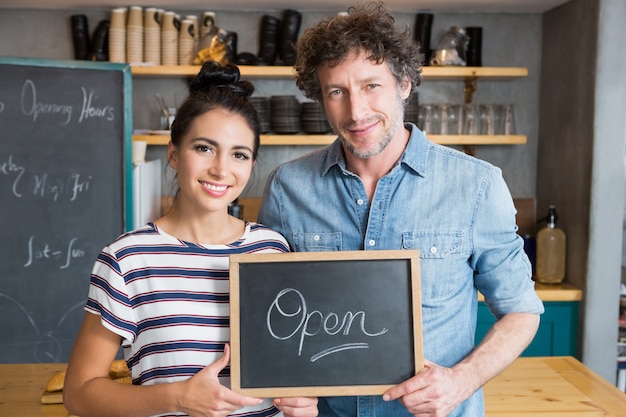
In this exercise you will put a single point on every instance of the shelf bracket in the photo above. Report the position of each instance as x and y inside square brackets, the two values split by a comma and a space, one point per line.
[470, 88]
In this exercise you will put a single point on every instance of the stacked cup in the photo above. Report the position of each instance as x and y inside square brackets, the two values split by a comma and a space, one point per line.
[186, 42]
[117, 35]
[196, 31]
[207, 29]
[152, 36]
[134, 35]
[169, 39]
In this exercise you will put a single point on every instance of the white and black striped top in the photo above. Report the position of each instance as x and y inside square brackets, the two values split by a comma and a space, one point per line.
[169, 301]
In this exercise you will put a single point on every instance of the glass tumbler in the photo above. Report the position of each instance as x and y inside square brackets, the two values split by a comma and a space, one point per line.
[471, 119]
[443, 110]
[426, 118]
[455, 119]
[488, 118]
[508, 118]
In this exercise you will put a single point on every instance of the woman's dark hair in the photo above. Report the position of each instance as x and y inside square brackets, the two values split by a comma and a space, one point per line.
[370, 29]
[217, 86]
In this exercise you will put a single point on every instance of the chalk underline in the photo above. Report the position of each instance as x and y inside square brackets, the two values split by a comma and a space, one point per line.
[339, 348]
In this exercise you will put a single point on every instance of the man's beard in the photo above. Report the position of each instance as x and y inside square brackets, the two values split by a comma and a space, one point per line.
[388, 134]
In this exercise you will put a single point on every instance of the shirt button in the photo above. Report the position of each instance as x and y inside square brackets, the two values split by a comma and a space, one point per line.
[372, 242]
[433, 249]
[359, 202]
[316, 238]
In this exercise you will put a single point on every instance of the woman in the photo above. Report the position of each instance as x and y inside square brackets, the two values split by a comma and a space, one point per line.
[161, 291]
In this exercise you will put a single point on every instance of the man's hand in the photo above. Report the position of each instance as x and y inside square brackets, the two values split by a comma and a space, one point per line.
[434, 391]
[297, 406]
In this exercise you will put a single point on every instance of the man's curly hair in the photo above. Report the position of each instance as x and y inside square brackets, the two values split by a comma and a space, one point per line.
[369, 28]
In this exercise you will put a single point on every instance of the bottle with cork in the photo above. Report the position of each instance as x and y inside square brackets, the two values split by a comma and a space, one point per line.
[551, 251]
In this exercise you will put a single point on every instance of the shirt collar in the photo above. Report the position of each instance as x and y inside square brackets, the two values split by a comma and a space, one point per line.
[334, 156]
[415, 155]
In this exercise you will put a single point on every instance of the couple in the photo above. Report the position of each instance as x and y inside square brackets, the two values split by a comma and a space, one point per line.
[161, 291]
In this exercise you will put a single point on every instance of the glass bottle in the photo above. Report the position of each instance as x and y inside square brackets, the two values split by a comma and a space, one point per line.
[451, 48]
[551, 251]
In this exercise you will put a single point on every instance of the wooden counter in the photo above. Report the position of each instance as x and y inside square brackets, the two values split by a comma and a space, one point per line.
[558, 386]
[553, 292]
[21, 386]
[545, 386]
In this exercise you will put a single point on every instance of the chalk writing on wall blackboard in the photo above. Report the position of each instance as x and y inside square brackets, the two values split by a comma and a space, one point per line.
[65, 188]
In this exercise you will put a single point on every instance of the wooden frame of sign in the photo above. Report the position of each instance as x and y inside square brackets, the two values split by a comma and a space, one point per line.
[324, 323]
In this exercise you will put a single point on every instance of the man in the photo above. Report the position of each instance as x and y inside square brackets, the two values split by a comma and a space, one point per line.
[383, 185]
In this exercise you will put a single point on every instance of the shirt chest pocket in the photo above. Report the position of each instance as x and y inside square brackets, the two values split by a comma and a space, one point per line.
[434, 244]
[443, 266]
[317, 242]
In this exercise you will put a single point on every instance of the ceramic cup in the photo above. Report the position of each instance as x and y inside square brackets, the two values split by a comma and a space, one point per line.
[139, 151]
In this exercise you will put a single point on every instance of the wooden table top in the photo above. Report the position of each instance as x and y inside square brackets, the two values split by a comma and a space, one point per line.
[554, 292]
[544, 386]
[558, 386]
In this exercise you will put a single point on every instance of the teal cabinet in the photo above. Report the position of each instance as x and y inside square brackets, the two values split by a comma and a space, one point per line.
[557, 334]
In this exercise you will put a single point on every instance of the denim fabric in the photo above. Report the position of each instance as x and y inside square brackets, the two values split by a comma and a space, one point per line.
[456, 209]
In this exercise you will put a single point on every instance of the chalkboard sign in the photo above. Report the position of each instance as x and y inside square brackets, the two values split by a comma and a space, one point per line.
[65, 192]
[324, 323]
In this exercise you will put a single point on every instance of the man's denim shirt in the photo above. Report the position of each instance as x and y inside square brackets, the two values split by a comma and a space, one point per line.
[456, 209]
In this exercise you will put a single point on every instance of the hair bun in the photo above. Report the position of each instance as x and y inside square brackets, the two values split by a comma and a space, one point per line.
[214, 75]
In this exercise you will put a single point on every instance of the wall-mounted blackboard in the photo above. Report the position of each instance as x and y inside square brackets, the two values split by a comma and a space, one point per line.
[324, 323]
[65, 192]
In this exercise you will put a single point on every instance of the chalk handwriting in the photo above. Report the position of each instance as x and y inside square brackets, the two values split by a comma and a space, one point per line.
[308, 324]
[9, 167]
[47, 347]
[72, 186]
[89, 110]
[43, 252]
[34, 108]
[43, 185]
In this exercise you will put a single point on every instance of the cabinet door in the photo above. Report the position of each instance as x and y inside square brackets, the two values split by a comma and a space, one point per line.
[557, 334]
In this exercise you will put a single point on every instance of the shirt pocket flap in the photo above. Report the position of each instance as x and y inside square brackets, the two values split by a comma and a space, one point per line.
[317, 242]
[433, 245]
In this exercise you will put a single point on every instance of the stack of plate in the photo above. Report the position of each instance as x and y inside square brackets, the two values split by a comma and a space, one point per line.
[313, 118]
[411, 110]
[262, 106]
[285, 114]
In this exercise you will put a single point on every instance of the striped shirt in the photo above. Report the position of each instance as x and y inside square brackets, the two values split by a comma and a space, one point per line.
[169, 301]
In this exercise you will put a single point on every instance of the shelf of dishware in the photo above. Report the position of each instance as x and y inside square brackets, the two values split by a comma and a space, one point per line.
[428, 72]
[302, 139]
[441, 73]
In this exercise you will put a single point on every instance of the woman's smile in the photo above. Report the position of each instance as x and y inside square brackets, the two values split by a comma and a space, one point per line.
[215, 189]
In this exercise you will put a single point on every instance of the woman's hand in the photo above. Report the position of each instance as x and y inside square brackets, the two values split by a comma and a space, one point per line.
[204, 396]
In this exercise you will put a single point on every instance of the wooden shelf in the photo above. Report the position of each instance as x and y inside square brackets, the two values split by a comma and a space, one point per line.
[192, 70]
[271, 72]
[467, 74]
[269, 140]
[478, 139]
[485, 73]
